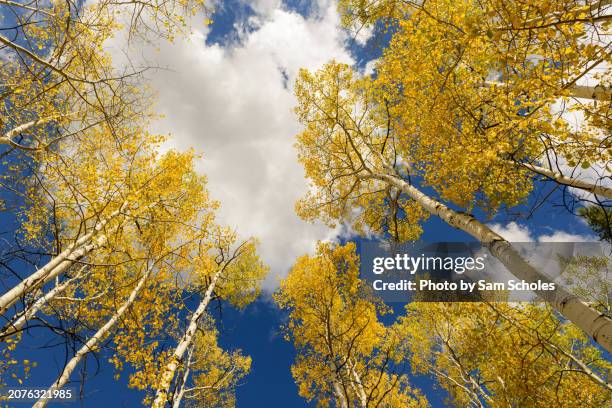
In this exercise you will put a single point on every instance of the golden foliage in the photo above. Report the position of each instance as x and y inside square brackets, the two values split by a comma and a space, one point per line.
[504, 354]
[345, 354]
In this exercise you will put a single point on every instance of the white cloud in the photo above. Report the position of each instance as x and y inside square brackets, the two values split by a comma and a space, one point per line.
[514, 232]
[561, 236]
[235, 104]
[264, 7]
[370, 67]
[363, 34]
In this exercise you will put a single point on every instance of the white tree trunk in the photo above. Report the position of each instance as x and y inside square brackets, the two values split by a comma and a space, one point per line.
[571, 182]
[592, 322]
[161, 395]
[58, 264]
[598, 93]
[474, 398]
[20, 320]
[363, 398]
[178, 395]
[7, 138]
[95, 340]
[47, 273]
[340, 400]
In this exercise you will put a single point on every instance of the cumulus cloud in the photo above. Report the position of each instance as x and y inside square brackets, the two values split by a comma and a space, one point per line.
[234, 103]
[514, 232]
[264, 7]
[561, 236]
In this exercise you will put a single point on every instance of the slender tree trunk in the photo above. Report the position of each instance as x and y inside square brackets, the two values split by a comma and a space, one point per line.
[592, 322]
[468, 379]
[340, 400]
[472, 395]
[47, 273]
[95, 340]
[58, 264]
[339, 387]
[161, 396]
[7, 138]
[598, 93]
[363, 398]
[568, 181]
[178, 395]
[17, 323]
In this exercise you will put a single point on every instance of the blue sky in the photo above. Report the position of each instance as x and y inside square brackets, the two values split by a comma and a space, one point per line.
[227, 93]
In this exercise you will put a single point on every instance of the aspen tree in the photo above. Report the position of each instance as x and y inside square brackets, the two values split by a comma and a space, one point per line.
[346, 356]
[135, 289]
[93, 342]
[18, 322]
[355, 160]
[181, 215]
[138, 270]
[150, 278]
[59, 84]
[210, 374]
[231, 274]
[57, 78]
[498, 354]
[101, 197]
[478, 86]
[99, 200]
